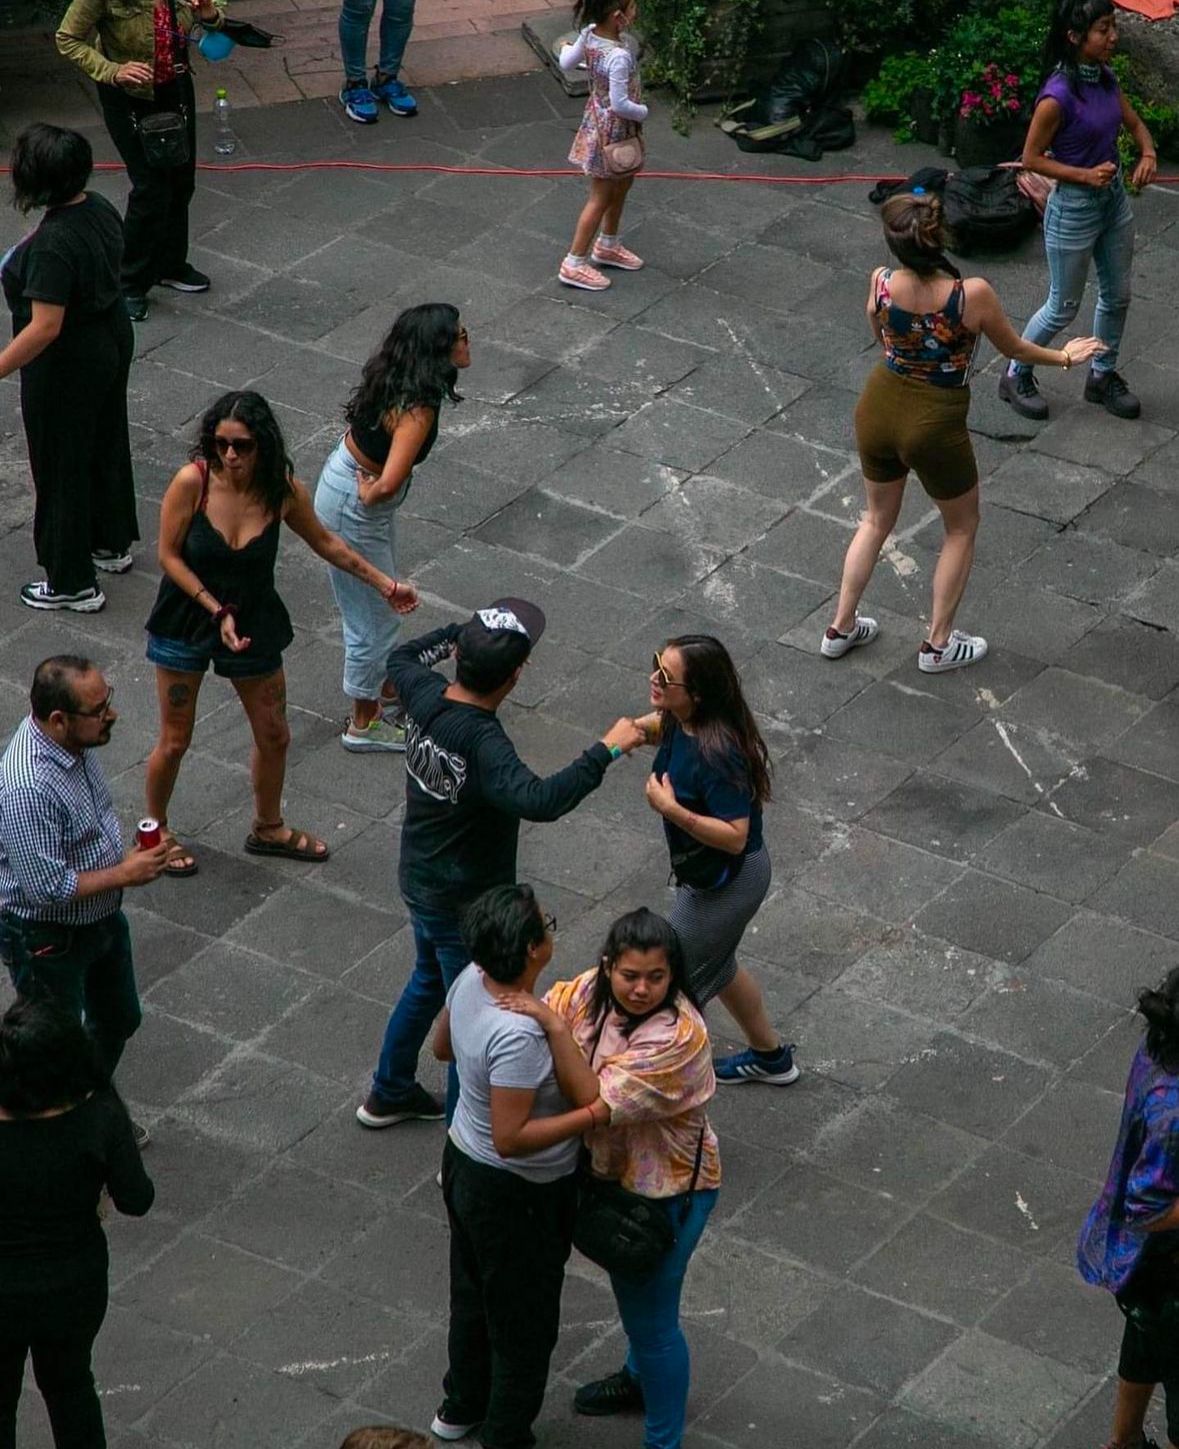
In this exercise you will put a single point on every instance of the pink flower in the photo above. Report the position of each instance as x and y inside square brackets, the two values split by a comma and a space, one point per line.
[1012, 80]
[1013, 104]
[996, 90]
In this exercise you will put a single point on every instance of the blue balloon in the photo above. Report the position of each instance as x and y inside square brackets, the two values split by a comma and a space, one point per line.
[215, 45]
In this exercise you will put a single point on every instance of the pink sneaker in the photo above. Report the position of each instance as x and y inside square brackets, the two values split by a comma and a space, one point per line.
[588, 278]
[618, 256]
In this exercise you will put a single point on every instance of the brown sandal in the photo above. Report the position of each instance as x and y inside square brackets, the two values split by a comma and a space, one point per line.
[299, 844]
[183, 864]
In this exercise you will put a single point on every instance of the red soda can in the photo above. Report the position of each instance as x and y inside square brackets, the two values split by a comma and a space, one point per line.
[147, 833]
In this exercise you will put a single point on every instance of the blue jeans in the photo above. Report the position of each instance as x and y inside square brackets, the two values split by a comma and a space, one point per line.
[441, 956]
[371, 628]
[396, 24]
[87, 968]
[1083, 223]
[650, 1312]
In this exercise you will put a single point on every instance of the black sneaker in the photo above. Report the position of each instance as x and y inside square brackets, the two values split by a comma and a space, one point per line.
[39, 595]
[1110, 390]
[1020, 390]
[621, 1393]
[136, 305]
[416, 1106]
[141, 1134]
[187, 279]
[112, 560]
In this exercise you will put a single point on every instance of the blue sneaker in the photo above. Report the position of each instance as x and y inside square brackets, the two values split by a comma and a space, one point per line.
[395, 96]
[360, 105]
[750, 1066]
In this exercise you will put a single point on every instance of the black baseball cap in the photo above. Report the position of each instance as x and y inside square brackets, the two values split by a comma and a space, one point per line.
[516, 615]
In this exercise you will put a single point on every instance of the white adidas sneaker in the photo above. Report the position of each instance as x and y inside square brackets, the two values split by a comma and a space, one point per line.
[957, 652]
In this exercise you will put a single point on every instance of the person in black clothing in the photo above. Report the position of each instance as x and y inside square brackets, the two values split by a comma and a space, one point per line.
[466, 792]
[140, 65]
[72, 343]
[64, 1136]
[219, 529]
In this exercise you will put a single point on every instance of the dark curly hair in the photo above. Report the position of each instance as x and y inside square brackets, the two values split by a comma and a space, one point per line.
[411, 368]
[47, 1058]
[50, 166]
[1159, 1008]
[272, 480]
[499, 927]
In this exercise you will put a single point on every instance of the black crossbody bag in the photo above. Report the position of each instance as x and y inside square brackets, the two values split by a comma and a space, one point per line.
[164, 134]
[616, 1228]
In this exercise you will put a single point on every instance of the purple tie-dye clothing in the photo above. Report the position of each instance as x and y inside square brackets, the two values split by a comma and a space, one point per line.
[1142, 1183]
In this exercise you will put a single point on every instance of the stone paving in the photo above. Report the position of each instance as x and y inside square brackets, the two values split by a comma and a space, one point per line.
[972, 873]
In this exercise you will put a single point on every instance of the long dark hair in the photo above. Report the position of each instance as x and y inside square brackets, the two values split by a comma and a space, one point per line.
[412, 367]
[721, 719]
[1160, 1008]
[915, 233]
[641, 930]
[50, 165]
[272, 480]
[47, 1058]
[1077, 17]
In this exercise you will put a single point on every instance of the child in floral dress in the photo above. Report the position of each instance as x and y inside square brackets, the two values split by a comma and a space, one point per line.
[613, 112]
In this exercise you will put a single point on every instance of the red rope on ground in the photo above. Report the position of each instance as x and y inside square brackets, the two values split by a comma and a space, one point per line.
[557, 171]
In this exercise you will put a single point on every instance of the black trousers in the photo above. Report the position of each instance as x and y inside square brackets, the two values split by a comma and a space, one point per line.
[58, 1329]
[509, 1243]
[73, 399]
[155, 228]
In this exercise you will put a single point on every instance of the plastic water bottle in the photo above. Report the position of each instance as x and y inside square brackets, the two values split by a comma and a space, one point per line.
[225, 143]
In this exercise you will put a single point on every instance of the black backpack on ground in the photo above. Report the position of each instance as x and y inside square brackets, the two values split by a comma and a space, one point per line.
[797, 113]
[985, 211]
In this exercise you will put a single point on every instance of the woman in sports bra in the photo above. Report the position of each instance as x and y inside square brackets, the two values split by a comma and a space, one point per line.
[392, 425]
[912, 415]
[217, 604]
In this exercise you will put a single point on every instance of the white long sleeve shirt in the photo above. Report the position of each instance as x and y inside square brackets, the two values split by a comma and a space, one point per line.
[619, 66]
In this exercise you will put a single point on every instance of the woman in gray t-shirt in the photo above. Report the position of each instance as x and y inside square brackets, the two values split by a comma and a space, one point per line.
[507, 1172]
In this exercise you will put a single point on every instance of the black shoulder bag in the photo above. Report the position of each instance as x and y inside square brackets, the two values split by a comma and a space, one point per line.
[618, 1229]
[164, 134]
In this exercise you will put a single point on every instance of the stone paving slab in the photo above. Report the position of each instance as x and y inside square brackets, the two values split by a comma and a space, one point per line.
[973, 874]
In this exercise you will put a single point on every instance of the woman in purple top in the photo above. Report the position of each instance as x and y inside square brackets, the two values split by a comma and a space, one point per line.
[1073, 138]
[1130, 1241]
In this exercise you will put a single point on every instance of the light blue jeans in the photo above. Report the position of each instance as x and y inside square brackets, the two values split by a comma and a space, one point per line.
[1083, 223]
[650, 1312]
[371, 627]
[396, 23]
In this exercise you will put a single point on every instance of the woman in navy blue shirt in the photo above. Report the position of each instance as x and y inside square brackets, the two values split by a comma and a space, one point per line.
[710, 779]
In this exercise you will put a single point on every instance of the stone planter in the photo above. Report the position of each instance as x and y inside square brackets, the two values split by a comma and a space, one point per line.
[979, 145]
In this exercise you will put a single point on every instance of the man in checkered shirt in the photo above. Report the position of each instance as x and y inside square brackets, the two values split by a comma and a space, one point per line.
[62, 866]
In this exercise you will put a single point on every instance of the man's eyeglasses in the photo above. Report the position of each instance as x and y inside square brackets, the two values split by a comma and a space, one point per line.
[98, 712]
[463, 335]
[660, 674]
[243, 447]
[550, 925]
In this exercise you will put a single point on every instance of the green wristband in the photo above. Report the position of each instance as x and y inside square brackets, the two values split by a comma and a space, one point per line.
[615, 751]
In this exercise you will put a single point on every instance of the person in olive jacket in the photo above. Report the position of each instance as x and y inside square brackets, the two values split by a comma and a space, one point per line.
[137, 53]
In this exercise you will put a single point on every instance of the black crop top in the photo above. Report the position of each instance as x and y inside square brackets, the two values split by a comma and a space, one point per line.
[374, 442]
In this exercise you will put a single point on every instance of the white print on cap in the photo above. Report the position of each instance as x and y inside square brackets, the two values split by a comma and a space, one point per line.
[502, 619]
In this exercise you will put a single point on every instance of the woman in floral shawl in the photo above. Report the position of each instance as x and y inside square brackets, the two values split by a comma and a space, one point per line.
[633, 1018]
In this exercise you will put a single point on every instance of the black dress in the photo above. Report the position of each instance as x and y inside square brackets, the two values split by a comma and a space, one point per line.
[53, 1254]
[74, 396]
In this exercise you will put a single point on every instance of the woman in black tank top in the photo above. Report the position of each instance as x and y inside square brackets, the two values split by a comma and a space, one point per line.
[392, 425]
[217, 604]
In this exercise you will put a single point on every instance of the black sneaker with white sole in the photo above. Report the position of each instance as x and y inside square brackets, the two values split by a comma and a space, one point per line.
[112, 560]
[187, 279]
[1020, 390]
[619, 1393]
[451, 1428]
[40, 596]
[416, 1106]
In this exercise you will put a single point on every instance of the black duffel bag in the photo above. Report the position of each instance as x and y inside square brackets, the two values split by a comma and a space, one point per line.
[985, 211]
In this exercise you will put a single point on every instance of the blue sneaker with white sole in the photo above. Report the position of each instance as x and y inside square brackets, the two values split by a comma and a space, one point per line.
[360, 105]
[394, 95]
[776, 1069]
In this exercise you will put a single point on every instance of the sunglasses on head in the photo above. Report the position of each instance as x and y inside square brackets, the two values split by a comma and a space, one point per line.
[243, 447]
[660, 674]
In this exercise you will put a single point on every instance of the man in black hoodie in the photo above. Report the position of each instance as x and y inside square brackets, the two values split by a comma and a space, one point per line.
[466, 792]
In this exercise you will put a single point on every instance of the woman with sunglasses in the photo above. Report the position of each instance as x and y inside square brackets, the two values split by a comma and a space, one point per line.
[709, 782]
[217, 604]
[508, 1170]
[392, 425]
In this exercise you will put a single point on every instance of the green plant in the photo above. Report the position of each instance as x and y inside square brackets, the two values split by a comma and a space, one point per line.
[683, 37]
[997, 98]
[867, 27]
[888, 97]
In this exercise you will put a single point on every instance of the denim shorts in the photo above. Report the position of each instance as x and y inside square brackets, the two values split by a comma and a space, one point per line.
[187, 658]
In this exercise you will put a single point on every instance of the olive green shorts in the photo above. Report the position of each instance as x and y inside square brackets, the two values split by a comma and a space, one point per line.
[903, 424]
